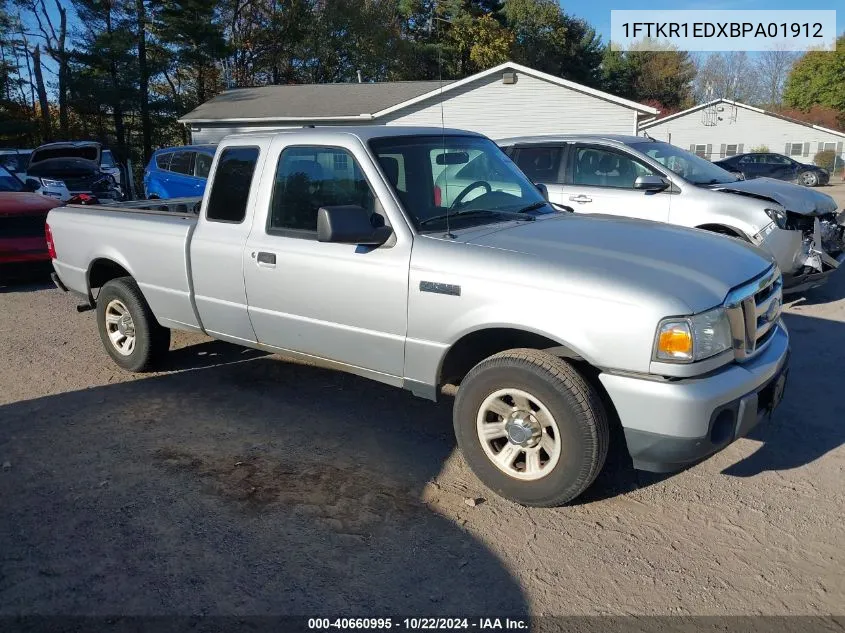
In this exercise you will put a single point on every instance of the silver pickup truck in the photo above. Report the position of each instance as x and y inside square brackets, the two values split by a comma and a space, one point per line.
[334, 245]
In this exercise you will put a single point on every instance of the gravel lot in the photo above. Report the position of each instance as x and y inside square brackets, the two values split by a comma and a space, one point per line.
[238, 483]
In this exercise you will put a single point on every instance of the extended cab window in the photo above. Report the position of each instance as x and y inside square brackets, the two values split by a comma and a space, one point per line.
[232, 181]
[308, 178]
[599, 167]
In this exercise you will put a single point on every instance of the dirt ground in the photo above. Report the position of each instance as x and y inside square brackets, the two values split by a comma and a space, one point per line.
[238, 483]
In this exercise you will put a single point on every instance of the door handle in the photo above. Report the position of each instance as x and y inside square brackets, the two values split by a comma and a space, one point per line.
[581, 198]
[267, 259]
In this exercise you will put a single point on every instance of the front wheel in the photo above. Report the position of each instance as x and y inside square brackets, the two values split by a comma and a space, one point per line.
[530, 427]
[129, 330]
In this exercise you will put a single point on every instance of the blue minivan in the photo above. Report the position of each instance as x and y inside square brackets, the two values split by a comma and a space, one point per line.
[178, 172]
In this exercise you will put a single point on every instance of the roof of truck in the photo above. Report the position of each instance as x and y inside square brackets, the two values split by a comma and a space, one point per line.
[625, 139]
[364, 132]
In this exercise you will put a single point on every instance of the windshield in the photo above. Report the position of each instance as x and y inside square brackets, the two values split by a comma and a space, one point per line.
[688, 166]
[9, 182]
[467, 178]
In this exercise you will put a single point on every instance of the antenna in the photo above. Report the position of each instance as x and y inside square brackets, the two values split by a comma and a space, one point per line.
[443, 122]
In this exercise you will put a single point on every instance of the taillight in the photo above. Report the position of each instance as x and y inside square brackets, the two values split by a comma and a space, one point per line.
[51, 248]
[438, 196]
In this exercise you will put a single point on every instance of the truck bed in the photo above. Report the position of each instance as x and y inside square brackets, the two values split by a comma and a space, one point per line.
[150, 244]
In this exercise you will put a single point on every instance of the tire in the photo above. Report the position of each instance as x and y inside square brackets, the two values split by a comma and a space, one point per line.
[134, 342]
[570, 451]
[809, 179]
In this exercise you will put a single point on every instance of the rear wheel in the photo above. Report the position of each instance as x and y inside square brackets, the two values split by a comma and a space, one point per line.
[530, 427]
[129, 331]
[809, 179]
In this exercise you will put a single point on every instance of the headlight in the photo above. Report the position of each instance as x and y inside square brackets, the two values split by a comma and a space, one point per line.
[778, 216]
[690, 339]
[49, 182]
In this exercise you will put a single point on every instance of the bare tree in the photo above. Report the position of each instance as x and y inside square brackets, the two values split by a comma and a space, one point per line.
[55, 45]
[727, 76]
[773, 68]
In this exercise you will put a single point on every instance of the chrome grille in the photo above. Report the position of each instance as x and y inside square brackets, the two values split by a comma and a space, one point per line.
[753, 310]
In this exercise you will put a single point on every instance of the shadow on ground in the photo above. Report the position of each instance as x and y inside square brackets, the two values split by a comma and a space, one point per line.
[259, 487]
[811, 420]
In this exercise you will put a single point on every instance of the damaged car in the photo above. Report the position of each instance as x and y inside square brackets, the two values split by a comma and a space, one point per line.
[639, 177]
[77, 164]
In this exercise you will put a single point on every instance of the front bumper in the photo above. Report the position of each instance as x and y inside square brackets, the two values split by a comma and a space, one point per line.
[671, 424]
[806, 256]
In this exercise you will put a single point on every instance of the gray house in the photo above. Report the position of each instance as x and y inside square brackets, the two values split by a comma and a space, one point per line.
[507, 100]
[723, 128]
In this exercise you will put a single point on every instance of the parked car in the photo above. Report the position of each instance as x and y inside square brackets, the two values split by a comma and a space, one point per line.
[329, 244]
[109, 165]
[23, 247]
[52, 188]
[778, 166]
[15, 161]
[652, 180]
[178, 172]
[78, 165]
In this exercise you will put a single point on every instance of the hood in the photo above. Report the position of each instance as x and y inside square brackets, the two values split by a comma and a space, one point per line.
[63, 168]
[25, 203]
[795, 198]
[696, 268]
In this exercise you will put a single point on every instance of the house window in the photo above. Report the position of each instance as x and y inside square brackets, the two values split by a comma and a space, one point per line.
[796, 149]
[340, 161]
[701, 150]
[830, 147]
[730, 150]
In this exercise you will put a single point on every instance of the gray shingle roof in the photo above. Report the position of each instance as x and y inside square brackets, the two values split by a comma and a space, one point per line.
[308, 101]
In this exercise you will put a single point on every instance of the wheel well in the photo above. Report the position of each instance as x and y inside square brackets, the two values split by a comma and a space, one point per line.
[103, 271]
[723, 230]
[474, 347]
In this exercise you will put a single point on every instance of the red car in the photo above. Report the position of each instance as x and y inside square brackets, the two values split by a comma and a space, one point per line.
[23, 243]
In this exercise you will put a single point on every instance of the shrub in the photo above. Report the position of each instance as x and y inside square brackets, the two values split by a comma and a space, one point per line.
[825, 159]
[760, 149]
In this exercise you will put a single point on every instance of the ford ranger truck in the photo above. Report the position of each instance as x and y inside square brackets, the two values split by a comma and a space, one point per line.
[334, 245]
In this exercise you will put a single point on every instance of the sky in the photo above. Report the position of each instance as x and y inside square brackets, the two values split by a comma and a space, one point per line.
[597, 12]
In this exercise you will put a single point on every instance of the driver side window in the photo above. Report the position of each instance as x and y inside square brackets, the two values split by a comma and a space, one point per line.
[308, 178]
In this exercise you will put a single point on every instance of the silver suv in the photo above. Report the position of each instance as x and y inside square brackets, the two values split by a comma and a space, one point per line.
[638, 177]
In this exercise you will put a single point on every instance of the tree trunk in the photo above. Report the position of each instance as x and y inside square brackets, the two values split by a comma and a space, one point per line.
[146, 125]
[42, 94]
[64, 72]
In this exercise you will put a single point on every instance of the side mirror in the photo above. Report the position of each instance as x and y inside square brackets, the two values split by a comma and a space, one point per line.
[350, 224]
[543, 189]
[31, 184]
[650, 183]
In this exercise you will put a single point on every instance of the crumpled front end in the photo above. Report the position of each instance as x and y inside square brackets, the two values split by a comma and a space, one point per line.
[822, 249]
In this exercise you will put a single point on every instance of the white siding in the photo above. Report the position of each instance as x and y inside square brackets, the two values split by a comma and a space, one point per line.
[530, 106]
[490, 107]
[751, 129]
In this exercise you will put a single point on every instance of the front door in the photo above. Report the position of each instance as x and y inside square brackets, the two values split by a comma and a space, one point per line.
[600, 179]
[341, 302]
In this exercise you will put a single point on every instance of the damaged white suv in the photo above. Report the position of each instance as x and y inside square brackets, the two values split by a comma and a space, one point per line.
[641, 178]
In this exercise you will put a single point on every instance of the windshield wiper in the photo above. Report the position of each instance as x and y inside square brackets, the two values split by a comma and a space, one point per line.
[533, 207]
[513, 215]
